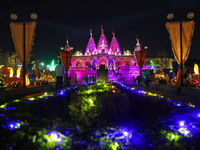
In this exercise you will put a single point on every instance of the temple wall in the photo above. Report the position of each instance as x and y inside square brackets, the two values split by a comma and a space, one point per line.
[79, 71]
[128, 73]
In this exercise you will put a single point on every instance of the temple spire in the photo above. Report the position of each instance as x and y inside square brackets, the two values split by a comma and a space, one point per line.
[138, 46]
[67, 47]
[114, 46]
[113, 33]
[102, 42]
[90, 32]
[102, 32]
[91, 46]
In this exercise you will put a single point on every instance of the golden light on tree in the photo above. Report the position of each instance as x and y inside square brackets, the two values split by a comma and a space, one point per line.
[196, 69]
[18, 72]
[11, 72]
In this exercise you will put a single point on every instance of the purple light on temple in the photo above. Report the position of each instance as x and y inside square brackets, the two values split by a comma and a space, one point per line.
[102, 44]
[91, 46]
[114, 46]
[121, 67]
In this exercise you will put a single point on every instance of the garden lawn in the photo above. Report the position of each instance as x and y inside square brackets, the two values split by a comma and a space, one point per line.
[99, 116]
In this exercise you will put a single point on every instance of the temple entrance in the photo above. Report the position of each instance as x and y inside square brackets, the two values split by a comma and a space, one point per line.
[102, 73]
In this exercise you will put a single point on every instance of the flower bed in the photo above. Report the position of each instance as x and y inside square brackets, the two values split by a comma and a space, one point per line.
[99, 116]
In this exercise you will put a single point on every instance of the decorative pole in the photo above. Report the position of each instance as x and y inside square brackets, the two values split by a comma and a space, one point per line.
[66, 56]
[24, 62]
[18, 30]
[181, 52]
[139, 55]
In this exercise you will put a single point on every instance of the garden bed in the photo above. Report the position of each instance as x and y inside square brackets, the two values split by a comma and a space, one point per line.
[99, 116]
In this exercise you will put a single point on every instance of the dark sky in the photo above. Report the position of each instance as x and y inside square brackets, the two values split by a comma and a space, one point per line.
[58, 19]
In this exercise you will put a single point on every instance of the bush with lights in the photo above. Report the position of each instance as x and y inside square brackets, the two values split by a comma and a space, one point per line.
[2, 83]
[97, 116]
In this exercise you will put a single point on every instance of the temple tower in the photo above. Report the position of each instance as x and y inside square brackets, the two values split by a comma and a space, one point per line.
[114, 46]
[91, 46]
[102, 46]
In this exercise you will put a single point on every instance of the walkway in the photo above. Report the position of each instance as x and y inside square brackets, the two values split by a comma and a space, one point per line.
[8, 94]
[176, 97]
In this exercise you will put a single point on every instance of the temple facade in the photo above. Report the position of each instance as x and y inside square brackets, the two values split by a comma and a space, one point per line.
[121, 66]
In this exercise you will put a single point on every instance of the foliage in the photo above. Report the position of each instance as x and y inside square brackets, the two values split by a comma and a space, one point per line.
[87, 103]
[147, 72]
[99, 116]
[2, 83]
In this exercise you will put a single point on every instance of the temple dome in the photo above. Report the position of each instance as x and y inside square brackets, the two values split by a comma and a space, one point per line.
[127, 52]
[78, 53]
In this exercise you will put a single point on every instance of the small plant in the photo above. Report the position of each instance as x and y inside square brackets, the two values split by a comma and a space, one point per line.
[2, 83]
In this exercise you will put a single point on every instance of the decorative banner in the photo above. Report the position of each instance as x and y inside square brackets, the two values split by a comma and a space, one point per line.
[37, 72]
[4, 71]
[174, 33]
[140, 56]
[27, 80]
[18, 38]
[66, 59]
[178, 78]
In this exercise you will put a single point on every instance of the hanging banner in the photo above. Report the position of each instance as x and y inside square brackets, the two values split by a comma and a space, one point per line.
[17, 30]
[140, 56]
[66, 59]
[30, 33]
[26, 78]
[37, 72]
[178, 78]
[187, 33]
[4, 71]
[174, 34]
[18, 38]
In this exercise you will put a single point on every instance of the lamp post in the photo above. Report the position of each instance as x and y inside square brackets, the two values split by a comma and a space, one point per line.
[170, 16]
[23, 20]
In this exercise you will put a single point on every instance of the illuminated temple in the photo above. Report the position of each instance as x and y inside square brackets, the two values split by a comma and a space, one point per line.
[121, 66]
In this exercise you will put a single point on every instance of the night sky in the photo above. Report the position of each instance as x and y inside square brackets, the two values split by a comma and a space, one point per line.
[58, 19]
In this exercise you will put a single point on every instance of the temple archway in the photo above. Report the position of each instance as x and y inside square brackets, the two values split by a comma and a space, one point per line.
[79, 63]
[87, 63]
[118, 63]
[103, 61]
[95, 63]
[126, 63]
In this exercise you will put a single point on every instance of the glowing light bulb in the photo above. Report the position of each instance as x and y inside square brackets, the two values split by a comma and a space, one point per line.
[54, 136]
[181, 123]
[31, 99]
[125, 133]
[91, 101]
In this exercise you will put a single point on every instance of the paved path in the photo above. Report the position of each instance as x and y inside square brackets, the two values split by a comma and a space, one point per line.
[176, 97]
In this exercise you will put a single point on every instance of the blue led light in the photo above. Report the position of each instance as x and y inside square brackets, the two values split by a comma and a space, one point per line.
[198, 115]
[181, 123]
[125, 133]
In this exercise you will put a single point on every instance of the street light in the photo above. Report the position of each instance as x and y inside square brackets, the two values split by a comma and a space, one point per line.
[14, 17]
[170, 16]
